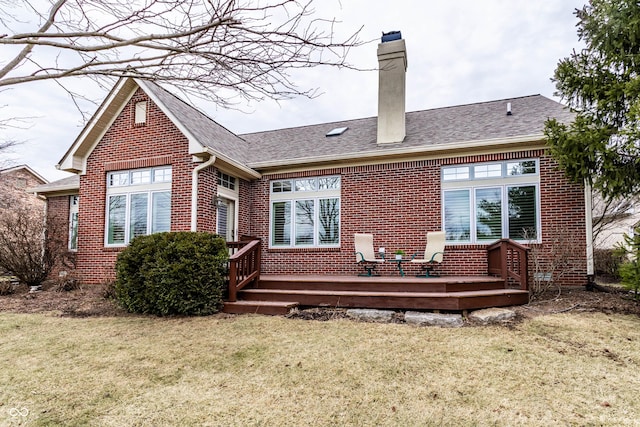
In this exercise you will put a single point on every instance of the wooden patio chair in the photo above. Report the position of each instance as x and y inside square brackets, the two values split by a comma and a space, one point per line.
[433, 253]
[365, 255]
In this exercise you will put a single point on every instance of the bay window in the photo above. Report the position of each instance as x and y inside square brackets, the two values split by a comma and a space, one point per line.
[486, 202]
[138, 203]
[305, 212]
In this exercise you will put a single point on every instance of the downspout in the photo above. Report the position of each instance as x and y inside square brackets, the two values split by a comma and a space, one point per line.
[194, 191]
[588, 207]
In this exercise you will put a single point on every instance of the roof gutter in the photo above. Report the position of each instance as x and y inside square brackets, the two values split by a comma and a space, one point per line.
[400, 152]
[238, 168]
[42, 190]
[194, 190]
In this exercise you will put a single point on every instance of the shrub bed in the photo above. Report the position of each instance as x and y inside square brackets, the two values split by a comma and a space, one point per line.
[172, 273]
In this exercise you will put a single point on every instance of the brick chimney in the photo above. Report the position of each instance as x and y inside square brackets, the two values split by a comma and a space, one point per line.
[392, 63]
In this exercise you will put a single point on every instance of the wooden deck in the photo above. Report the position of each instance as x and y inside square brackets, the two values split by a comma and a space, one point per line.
[274, 294]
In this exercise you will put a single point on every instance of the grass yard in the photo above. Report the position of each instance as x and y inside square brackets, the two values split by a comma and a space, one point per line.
[565, 369]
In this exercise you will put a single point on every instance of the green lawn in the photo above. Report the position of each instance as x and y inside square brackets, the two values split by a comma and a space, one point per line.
[570, 369]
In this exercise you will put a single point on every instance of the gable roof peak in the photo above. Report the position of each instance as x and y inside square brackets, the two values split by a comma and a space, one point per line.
[25, 167]
[205, 136]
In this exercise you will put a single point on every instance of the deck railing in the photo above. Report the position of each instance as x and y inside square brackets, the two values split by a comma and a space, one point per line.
[509, 260]
[244, 265]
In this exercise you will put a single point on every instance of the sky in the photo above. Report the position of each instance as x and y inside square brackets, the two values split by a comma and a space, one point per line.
[458, 52]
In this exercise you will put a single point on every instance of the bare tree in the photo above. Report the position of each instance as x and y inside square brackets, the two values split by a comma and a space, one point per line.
[6, 143]
[207, 48]
[29, 247]
[551, 261]
[608, 212]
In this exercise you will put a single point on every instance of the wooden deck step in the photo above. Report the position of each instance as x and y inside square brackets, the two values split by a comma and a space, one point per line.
[456, 301]
[274, 308]
[381, 283]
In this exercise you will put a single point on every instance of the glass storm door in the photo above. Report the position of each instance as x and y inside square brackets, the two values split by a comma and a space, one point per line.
[225, 213]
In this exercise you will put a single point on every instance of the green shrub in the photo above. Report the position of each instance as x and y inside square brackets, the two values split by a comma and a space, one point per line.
[630, 270]
[172, 273]
[607, 262]
[630, 277]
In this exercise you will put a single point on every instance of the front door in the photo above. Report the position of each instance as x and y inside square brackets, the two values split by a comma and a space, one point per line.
[225, 212]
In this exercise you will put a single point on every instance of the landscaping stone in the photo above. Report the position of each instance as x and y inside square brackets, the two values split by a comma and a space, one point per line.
[370, 315]
[492, 315]
[433, 319]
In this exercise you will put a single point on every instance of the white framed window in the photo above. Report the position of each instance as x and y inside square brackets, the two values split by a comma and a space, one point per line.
[305, 212]
[226, 181]
[489, 170]
[455, 173]
[73, 222]
[140, 113]
[138, 203]
[226, 202]
[497, 200]
[141, 177]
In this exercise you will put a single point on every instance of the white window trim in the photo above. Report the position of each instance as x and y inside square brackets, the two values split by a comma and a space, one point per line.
[234, 196]
[504, 183]
[225, 180]
[140, 112]
[504, 174]
[129, 190]
[293, 196]
[73, 209]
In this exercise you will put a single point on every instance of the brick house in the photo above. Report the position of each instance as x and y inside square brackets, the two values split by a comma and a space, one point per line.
[15, 197]
[15, 182]
[615, 223]
[147, 162]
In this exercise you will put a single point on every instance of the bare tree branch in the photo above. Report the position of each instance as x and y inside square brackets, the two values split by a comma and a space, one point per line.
[6, 143]
[608, 212]
[204, 48]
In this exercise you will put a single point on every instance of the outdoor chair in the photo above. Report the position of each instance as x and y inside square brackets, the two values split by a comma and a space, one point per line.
[433, 253]
[365, 255]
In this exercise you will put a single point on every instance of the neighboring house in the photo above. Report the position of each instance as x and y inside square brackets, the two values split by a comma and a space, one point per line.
[15, 196]
[614, 221]
[148, 162]
[14, 185]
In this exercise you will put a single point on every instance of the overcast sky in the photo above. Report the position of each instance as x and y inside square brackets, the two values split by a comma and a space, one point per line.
[459, 52]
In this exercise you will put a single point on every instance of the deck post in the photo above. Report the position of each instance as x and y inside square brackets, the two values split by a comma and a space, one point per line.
[509, 260]
[233, 275]
[244, 266]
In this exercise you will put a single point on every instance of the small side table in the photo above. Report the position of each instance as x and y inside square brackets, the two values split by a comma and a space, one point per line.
[399, 263]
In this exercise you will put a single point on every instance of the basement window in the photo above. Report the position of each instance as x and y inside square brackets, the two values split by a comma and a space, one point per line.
[336, 131]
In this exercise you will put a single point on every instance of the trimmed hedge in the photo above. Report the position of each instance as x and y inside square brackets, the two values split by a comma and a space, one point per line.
[172, 273]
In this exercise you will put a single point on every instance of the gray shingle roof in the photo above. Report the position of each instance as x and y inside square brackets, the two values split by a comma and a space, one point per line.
[427, 128]
[441, 126]
[64, 184]
[203, 128]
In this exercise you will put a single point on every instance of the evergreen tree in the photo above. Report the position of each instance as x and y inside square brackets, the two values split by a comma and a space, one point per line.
[601, 84]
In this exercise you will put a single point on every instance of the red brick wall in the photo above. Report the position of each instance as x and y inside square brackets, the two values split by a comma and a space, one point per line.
[246, 203]
[13, 190]
[563, 220]
[125, 146]
[207, 188]
[58, 216]
[400, 202]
